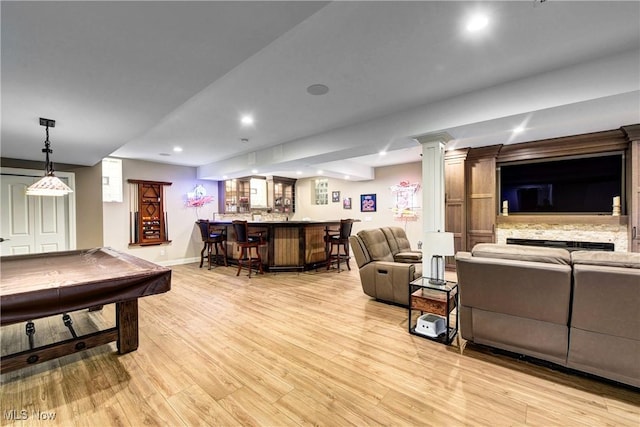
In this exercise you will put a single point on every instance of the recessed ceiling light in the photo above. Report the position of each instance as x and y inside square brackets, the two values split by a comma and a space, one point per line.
[298, 172]
[246, 120]
[317, 89]
[225, 176]
[477, 22]
[382, 153]
[254, 170]
[347, 177]
[519, 129]
[320, 172]
[177, 149]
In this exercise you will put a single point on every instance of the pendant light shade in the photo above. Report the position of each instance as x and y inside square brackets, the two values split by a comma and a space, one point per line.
[49, 184]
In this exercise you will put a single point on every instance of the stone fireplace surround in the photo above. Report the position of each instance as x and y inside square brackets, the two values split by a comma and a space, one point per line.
[570, 245]
[600, 229]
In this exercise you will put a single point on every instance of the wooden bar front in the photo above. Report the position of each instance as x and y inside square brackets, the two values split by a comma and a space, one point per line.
[291, 245]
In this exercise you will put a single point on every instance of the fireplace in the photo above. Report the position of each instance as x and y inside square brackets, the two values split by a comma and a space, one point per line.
[564, 244]
[600, 232]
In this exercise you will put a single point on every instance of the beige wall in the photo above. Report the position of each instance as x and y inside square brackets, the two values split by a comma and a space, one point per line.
[88, 207]
[185, 239]
[88, 195]
[107, 224]
[385, 177]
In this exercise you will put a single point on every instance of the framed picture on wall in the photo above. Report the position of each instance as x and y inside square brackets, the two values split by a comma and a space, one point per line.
[346, 203]
[335, 196]
[367, 203]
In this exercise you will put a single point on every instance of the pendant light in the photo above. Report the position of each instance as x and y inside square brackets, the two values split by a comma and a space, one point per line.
[49, 184]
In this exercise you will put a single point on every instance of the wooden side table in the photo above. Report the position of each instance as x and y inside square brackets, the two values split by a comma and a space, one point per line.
[435, 298]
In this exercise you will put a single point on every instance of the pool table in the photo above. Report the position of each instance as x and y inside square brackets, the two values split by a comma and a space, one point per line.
[46, 284]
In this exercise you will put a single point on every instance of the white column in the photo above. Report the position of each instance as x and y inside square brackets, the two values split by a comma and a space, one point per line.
[433, 192]
[433, 180]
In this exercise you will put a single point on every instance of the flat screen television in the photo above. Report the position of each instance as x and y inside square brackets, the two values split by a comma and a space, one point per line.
[583, 185]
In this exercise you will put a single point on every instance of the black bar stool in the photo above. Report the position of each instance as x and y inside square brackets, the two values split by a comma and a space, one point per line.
[216, 236]
[338, 239]
[246, 242]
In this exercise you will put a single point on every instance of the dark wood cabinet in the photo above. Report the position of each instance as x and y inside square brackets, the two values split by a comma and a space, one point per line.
[480, 173]
[633, 190]
[635, 196]
[470, 197]
[235, 195]
[282, 194]
[455, 206]
[148, 216]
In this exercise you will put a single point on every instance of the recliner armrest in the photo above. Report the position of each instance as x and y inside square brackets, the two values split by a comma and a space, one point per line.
[390, 265]
[387, 281]
[408, 257]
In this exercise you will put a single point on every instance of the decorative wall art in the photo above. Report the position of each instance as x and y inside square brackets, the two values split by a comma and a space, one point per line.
[198, 198]
[346, 203]
[335, 196]
[405, 201]
[367, 203]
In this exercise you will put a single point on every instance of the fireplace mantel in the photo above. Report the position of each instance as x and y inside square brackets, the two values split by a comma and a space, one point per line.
[562, 219]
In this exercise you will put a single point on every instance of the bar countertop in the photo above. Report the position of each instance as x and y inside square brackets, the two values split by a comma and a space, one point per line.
[291, 222]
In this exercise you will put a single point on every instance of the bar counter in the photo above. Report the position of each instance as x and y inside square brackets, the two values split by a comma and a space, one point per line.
[291, 245]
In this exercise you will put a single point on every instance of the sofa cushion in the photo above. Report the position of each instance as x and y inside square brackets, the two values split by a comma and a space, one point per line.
[522, 253]
[401, 238]
[609, 259]
[397, 239]
[391, 239]
[376, 244]
[606, 300]
[532, 290]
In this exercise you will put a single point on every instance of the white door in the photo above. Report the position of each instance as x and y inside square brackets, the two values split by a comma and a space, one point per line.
[31, 224]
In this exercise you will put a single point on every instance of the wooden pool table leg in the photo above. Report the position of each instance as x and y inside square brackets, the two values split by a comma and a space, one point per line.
[127, 325]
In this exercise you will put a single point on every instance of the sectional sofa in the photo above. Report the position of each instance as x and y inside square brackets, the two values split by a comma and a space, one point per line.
[580, 310]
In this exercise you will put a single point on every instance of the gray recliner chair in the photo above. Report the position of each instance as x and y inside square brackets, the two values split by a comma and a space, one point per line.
[386, 263]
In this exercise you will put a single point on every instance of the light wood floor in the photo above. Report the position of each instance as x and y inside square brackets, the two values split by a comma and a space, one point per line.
[291, 349]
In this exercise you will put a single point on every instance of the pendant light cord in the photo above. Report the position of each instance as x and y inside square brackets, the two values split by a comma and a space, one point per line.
[48, 166]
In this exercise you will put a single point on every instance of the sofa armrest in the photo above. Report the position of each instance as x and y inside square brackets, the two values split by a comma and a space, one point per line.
[388, 281]
[359, 251]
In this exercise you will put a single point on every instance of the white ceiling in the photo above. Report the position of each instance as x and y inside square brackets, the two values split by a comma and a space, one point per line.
[135, 79]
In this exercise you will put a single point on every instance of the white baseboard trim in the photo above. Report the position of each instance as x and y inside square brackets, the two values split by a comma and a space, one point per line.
[179, 261]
